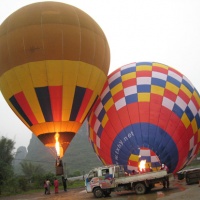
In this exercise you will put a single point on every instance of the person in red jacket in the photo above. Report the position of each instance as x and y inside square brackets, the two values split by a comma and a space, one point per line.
[56, 185]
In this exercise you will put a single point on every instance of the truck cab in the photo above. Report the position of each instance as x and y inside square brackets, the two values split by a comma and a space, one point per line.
[100, 179]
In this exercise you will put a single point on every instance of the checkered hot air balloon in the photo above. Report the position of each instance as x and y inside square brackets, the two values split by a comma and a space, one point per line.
[146, 111]
[54, 60]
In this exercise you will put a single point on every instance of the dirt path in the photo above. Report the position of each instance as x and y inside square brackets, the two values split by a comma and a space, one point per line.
[71, 194]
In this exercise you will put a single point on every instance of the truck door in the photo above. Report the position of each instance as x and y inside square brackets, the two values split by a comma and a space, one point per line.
[88, 185]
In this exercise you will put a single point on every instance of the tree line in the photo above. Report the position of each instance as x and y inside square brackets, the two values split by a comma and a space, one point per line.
[32, 177]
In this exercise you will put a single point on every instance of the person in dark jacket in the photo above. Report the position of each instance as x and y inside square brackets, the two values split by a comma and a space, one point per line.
[64, 181]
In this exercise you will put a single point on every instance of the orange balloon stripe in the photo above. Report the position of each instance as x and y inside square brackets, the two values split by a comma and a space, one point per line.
[86, 99]
[56, 102]
[23, 103]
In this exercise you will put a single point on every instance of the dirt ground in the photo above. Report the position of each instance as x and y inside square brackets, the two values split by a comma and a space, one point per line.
[178, 190]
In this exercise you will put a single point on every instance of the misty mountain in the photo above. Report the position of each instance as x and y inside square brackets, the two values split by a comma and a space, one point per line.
[20, 155]
[79, 156]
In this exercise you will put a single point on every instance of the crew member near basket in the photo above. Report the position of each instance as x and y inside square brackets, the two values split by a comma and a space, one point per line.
[166, 181]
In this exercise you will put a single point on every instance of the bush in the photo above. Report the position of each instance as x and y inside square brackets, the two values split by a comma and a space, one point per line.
[10, 186]
[23, 183]
[76, 184]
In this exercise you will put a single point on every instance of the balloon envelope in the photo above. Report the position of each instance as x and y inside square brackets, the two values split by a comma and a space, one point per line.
[54, 60]
[146, 111]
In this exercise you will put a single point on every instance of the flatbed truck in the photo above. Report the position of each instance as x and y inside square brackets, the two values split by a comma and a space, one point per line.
[141, 183]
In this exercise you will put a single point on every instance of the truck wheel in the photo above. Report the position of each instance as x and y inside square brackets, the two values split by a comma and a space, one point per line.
[140, 188]
[98, 193]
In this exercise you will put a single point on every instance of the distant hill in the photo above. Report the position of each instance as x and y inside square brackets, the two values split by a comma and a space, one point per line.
[78, 157]
[80, 154]
[19, 156]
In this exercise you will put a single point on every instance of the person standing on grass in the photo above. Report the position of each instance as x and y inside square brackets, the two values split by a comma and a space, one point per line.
[56, 185]
[48, 186]
[64, 181]
[45, 187]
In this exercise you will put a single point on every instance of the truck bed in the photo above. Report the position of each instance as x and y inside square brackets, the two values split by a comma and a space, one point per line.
[141, 177]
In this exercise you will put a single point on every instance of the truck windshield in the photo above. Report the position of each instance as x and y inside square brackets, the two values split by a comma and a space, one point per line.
[92, 174]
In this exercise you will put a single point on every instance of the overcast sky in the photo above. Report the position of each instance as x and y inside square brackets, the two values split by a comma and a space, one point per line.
[165, 31]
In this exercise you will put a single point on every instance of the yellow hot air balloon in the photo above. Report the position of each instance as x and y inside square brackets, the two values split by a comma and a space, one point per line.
[54, 60]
